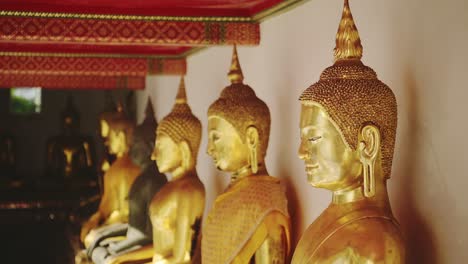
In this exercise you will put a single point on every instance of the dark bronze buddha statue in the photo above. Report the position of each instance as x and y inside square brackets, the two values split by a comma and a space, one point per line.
[7, 156]
[70, 155]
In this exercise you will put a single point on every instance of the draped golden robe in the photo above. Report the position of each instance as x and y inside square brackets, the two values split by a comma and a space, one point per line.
[239, 215]
[351, 233]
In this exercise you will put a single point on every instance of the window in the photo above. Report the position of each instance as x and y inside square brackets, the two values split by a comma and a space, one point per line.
[25, 100]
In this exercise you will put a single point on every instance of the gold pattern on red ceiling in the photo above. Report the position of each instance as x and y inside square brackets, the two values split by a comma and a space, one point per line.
[72, 82]
[24, 64]
[124, 32]
[57, 72]
[88, 39]
[56, 65]
[73, 66]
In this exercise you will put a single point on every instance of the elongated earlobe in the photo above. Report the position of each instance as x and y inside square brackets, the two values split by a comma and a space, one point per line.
[252, 143]
[186, 154]
[369, 147]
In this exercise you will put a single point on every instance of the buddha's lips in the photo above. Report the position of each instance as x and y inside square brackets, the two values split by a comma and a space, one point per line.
[310, 168]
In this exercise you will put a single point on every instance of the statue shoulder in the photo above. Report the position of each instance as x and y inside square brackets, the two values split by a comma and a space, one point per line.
[191, 188]
[369, 240]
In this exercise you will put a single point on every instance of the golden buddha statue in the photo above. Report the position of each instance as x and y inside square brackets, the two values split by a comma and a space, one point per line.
[348, 127]
[111, 111]
[177, 209]
[70, 155]
[138, 232]
[249, 222]
[113, 207]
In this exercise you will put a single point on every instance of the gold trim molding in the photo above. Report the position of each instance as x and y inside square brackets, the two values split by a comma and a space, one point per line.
[261, 16]
[124, 17]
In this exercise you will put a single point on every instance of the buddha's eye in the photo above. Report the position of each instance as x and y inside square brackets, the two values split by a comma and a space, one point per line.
[314, 139]
[214, 137]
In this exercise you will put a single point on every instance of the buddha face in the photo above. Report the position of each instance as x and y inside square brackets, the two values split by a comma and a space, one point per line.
[329, 162]
[225, 146]
[117, 142]
[70, 123]
[166, 153]
[104, 128]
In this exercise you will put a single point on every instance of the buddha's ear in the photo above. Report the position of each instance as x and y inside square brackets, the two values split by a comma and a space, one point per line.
[369, 142]
[252, 143]
[369, 147]
[186, 154]
[252, 136]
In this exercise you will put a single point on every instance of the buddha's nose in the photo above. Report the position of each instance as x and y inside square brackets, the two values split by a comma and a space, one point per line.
[302, 153]
[209, 148]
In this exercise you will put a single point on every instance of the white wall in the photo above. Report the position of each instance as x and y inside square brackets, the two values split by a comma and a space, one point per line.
[418, 48]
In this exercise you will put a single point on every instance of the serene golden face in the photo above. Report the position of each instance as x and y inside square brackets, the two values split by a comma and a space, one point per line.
[104, 129]
[166, 153]
[329, 163]
[225, 146]
[117, 142]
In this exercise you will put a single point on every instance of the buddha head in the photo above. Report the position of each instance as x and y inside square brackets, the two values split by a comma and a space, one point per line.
[143, 138]
[177, 138]
[348, 120]
[110, 111]
[238, 126]
[70, 118]
[120, 133]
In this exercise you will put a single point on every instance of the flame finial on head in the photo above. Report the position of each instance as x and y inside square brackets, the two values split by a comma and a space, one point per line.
[181, 97]
[119, 107]
[348, 43]
[235, 72]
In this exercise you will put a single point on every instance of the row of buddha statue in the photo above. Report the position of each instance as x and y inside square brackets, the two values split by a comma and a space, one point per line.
[70, 155]
[347, 129]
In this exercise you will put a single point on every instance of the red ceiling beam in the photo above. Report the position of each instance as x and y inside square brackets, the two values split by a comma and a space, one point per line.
[56, 72]
[147, 8]
[71, 81]
[53, 65]
[167, 66]
[95, 31]
[24, 63]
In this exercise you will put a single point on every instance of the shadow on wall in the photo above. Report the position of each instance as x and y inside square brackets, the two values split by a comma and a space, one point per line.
[288, 100]
[293, 203]
[420, 247]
